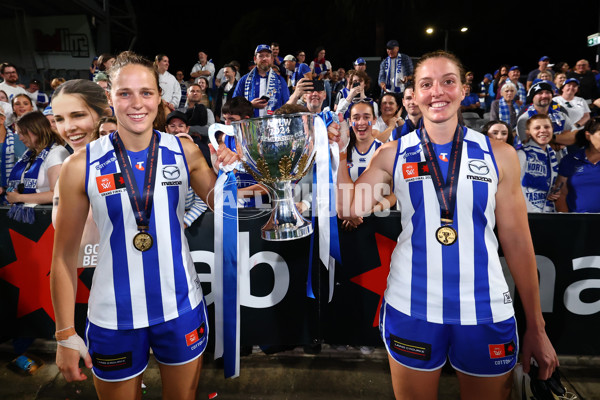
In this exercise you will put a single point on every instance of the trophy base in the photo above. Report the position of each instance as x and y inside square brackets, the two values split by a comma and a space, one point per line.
[287, 232]
[286, 222]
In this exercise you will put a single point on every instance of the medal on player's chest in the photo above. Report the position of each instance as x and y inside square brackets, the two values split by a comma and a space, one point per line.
[446, 234]
[141, 202]
[143, 241]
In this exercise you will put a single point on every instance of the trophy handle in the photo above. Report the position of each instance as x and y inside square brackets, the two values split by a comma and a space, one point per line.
[214, 128]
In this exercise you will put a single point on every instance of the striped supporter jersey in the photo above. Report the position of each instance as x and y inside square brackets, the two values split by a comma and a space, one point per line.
[360, 161]
[458, 284]
[133, 289]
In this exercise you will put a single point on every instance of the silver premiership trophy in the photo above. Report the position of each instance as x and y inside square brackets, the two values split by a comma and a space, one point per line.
[276, 150]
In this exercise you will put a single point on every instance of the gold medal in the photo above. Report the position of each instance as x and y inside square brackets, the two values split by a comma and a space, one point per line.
[446, 235]
[143, 241]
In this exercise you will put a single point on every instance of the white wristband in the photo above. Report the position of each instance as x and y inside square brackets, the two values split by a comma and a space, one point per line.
[75, 342]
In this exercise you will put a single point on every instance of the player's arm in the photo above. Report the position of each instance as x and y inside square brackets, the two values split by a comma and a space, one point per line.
[515, 238]
[71, 216]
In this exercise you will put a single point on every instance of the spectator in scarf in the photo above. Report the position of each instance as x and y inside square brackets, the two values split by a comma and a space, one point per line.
[514, 73]
[266, 97]
[506, 109]
[34, 176]
[539, 165]
[577, 107]
[540, 97]
[320, 66]
[396, 70]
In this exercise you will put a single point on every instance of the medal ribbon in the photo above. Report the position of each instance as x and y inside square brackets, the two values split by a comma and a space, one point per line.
[141, 203]
[446, 191]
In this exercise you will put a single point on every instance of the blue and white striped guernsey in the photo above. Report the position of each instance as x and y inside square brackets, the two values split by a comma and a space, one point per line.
[458, 284]
[360, 161]
[133, 289]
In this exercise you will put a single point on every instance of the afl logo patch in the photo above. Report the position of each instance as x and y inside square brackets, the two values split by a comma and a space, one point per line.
[171, 172]
[479, 167]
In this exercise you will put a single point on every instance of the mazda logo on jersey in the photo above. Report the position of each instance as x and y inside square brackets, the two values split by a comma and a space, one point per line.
[479, 167]
[171, 172]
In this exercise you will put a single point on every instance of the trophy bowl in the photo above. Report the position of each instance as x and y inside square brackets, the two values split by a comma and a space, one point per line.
[277, 150]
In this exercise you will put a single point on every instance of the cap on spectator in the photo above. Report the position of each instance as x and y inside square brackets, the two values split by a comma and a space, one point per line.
[35, 81]
[2, 112]
[392, 43]
[545, 58]
[572, 80]
[48, 111]
[359, 61]
[515, 68]
[489, 76]
[537, 88]
[262, 47]
[289, 57]
[178, 115]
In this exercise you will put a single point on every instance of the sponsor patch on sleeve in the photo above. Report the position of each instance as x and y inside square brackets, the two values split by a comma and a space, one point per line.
[410, 348]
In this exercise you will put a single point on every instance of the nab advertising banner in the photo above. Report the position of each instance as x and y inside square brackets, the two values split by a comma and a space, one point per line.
[275, 309]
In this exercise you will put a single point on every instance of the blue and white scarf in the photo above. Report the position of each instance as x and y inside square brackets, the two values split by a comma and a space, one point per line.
[557, 117]
[540, 172]
[521, 94]
[320, 68]
[21, 174]
[504, 111]
[7, 157]
[390, 83]
[273, 88]
[26, 172]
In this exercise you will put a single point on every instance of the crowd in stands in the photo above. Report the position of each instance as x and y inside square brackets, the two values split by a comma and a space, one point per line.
[547, 112]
